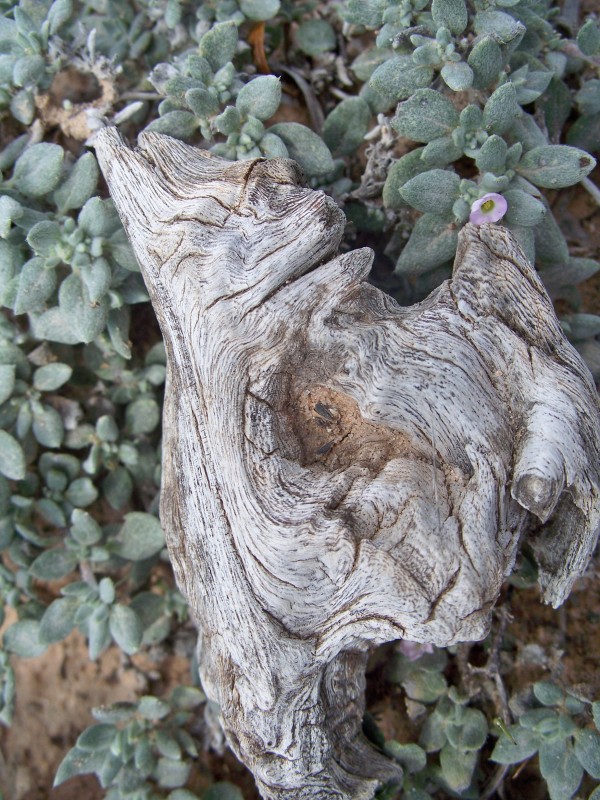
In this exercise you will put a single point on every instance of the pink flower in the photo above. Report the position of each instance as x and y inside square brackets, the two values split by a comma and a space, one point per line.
[413, 650]
[489, 208]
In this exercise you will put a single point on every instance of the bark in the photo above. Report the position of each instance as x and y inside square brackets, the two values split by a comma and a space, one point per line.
[339, 471]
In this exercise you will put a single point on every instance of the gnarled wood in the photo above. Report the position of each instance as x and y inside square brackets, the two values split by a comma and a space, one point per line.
[339, 471]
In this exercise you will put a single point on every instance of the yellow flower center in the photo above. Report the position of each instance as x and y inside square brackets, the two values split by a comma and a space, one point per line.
[487, 206]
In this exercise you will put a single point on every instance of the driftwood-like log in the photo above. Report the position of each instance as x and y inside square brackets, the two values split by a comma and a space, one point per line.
[339, 471]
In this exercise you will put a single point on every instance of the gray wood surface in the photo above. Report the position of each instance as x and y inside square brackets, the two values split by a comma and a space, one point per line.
[339, 471]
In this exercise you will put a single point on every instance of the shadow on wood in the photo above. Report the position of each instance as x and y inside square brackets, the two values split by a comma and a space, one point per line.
[339, 471]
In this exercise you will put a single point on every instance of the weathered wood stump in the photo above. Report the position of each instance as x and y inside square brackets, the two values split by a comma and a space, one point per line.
[339, 471]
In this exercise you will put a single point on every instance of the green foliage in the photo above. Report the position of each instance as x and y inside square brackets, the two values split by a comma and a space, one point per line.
[445, 101]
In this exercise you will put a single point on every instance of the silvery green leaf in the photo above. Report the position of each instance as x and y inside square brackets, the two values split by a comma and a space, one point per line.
[142, 415]
[141, 537]
[27, 70]
[260, 97]
[79, 185]
[434, 191]
[54, 325]
[513, 155]
[412, 757]
[370, 14]
[117, 488]
[187, 697]
[452, 14]
[555, 166]
[87, 319]
[97, 277]
[530, 84]
[441, 151]
[81, 493]
[22, 638]
[305, 147]
[501, 109]
[525, 130]
[469, 732]
[587, 751]
[12, 463]
[259, 9]
[178, 124]
[560, 768]
[125, 628]
[432, 242]
[48, 427]
[122, 252]
[492, 155]
[167, 745]
[203, 103]
[84, 528]
[588, 38]
[365, 64]
[525, 238]
[588, 97]
[78, 762]
[114, 713]
[171, 774]
[346, 126]
[98, 217]
[10, 210]
[458, 75]
[506, 29]
[377, 102]
[229, 121]
[399, 77]
[425, 116]
[518, 746]
[219, 44]
[153, 708]
[315, 37]
[97, 737]
[7, 381]
[51, 512]
[58, 620]
[548, 693]
[98, 636]
[53, 564]
[523, 209]
[59, 13]
[38, 170]
[457, 767]
[486, 61]
[51, 376]
[585, 133]
[399, 173]
[44, 238]
[273, 147]
[22, 108]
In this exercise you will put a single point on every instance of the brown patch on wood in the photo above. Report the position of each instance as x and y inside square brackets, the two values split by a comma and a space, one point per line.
[331, 431]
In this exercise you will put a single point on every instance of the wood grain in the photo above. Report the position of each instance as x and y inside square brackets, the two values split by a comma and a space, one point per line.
[339, 471]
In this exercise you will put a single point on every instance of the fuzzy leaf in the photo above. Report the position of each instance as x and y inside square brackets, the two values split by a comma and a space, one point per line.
[12, 463]
[51, 376]
[315, 37]
[84, 528]
[219, 44]
[412, 757]
[117, 488]
[560, 768]
[434, 191]
[486, 61]
[521, 744]
[585, 133]
[58, 620]
[399, 77]
[36, 285]
[587, 751]
[588, 38]
[458, 75]
[7, 381]
[78, 762]
[126, 628]
[260, 98]
[399, 173]
[80, 184]
[457, 767]
[39, 169]
[178, 124]
[425, 116]
[141, 537]
[22, 638]
[452, 14]
[523, 209]
[432, 242]
[554, 166]
[506, 29]
[53, 564]
[492, 155]
[347, 125]
[501, 109]
[259, 9]
[305, 147]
